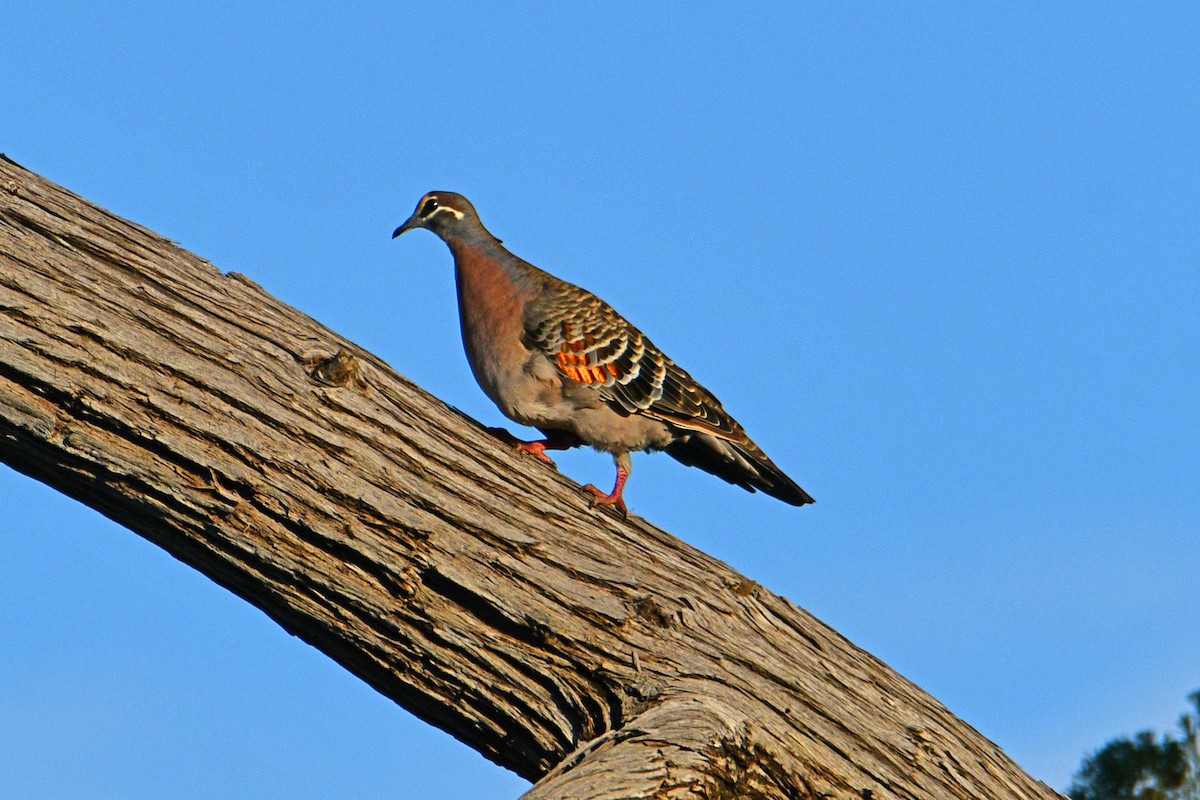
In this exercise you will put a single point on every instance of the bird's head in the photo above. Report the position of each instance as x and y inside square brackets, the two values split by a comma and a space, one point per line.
[444, 213]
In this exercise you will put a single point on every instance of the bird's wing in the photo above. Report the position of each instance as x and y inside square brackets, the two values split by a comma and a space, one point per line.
[592, 344]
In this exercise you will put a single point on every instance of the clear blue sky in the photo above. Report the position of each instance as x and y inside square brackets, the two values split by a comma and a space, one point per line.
[942, 260]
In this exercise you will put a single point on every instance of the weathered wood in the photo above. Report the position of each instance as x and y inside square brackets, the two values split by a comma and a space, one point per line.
[599, 657]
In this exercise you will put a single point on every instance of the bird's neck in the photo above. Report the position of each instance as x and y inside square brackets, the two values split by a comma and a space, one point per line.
[483, 264]
[487, 286]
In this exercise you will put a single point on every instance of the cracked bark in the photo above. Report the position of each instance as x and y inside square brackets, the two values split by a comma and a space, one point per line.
[597, 657]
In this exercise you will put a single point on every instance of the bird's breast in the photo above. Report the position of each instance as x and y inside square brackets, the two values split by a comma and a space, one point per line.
[491, 308]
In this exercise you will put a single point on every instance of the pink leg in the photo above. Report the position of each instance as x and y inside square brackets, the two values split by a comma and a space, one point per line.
[613, 498]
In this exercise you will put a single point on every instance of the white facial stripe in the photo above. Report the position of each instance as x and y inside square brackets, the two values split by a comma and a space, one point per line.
[458, 214]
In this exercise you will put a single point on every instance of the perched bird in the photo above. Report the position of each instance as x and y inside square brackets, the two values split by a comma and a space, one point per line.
[557, 358]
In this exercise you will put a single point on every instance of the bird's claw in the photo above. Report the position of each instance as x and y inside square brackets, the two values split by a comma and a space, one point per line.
[537, 449]
[598, 497]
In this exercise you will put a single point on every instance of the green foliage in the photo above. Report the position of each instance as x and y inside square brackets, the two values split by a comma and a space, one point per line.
[1145, 767]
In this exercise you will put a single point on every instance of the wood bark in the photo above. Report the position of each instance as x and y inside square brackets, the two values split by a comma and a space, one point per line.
[597, 657]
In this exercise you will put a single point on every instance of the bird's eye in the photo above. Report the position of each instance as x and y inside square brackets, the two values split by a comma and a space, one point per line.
[430, 206]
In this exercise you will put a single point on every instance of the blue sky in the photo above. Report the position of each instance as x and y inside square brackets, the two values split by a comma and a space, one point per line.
[940, 259]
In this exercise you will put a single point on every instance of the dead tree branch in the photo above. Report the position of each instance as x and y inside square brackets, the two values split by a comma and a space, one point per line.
[597, 657]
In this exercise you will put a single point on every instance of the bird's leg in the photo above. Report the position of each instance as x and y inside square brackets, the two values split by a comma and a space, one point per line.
[555, 440]
[613, 498]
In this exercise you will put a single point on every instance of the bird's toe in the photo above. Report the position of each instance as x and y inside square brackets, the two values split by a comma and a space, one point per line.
[598, 497]
[537, 449]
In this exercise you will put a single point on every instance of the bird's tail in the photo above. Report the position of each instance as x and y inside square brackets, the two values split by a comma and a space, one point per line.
[740, 462]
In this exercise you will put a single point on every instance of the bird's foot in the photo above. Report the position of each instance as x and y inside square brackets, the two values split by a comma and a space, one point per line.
[613, 498]
[537, 449]
[555, 440]
[600, 498]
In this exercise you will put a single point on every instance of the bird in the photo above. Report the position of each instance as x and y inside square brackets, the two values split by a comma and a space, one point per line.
[555, 357]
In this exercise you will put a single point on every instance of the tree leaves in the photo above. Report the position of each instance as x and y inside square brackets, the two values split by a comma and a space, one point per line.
[1145, 767]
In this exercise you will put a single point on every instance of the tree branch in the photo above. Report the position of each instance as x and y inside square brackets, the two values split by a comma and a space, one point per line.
[473, 586]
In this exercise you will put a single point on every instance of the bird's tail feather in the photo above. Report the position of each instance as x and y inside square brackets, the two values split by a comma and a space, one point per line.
[741, 463]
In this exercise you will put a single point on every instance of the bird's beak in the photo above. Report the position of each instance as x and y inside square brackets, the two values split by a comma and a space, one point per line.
[412, 222]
